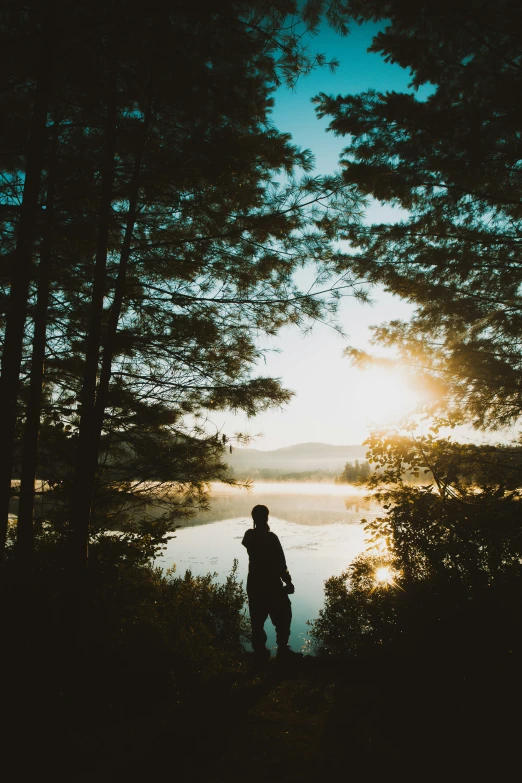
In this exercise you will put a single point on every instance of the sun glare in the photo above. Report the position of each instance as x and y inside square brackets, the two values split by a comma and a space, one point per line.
[383, 396]
[385, 577]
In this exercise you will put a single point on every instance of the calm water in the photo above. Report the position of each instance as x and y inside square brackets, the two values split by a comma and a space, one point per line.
[318, 525]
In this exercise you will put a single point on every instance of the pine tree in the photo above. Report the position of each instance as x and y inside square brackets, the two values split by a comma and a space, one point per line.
[26, 230]
[179, 216]
[452, 161]
[446, 558]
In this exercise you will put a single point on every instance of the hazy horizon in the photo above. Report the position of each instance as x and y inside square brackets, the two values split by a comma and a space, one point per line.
[300, 443]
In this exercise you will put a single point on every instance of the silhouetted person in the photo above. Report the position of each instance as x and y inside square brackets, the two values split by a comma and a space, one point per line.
[267, 595]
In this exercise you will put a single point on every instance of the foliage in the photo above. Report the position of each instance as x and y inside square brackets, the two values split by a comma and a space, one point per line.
[139, 621]
[447, 156]
[184, 626]
[175, 216]
[356, 617]
[452, 550]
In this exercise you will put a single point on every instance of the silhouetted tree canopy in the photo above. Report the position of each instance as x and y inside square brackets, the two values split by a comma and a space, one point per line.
[158, 244]
[448, 154]
[442, 576]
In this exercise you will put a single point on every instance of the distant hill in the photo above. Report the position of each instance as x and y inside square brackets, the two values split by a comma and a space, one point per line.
[300, 458]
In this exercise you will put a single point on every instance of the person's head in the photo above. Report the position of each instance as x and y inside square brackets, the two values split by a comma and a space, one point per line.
[260, 517]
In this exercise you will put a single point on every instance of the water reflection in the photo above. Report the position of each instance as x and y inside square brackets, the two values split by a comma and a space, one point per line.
[305, 504]
[316, 523]
[357, 503]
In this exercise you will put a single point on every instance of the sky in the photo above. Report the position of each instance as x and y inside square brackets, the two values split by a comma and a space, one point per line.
[333, 402]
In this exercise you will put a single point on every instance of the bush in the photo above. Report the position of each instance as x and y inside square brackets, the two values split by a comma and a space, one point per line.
[452, 550]
[137, 621]
[183, 626]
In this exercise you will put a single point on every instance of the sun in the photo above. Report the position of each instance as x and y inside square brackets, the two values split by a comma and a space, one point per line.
[383, 396]
[385, 576]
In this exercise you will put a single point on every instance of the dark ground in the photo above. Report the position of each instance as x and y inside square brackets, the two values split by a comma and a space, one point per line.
[381, 719]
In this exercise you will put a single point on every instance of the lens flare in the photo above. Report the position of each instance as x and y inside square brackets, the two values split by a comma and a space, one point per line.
[385, 576]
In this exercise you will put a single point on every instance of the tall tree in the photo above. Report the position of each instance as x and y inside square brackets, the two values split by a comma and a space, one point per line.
[228, 233]
[22, 258]
[446, 563]
[179, 218]
[450, 156]
[24, 528]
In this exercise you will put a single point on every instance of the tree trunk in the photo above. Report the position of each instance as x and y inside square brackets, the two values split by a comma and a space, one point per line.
[119, 291]
[24, 530]
[21, 275]
[87, 447]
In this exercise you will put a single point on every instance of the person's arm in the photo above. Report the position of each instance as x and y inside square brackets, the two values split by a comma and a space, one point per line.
[283, 570]
[247, 538]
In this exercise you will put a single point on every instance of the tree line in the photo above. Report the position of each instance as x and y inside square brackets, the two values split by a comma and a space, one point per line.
[152, 220]
[443, 575]
[354, 472]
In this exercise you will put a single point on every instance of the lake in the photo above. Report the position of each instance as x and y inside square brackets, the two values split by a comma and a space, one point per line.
[318, 526]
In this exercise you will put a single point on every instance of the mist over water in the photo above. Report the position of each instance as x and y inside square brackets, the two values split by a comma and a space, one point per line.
[318, 526]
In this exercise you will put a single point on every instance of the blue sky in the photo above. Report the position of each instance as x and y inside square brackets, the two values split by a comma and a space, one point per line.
[334, 402]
